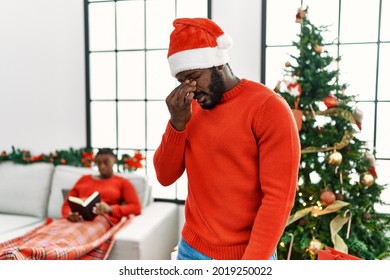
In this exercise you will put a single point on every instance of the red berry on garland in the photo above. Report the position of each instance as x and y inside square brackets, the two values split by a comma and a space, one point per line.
[330, 101]
[327, 197]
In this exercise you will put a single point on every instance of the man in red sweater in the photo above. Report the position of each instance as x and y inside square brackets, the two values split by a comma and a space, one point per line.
[237, 141]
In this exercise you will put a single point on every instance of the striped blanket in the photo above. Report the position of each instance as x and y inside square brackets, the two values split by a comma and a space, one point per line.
[64, 240]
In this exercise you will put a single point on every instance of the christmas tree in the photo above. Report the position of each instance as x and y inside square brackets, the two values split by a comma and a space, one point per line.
[337, 188]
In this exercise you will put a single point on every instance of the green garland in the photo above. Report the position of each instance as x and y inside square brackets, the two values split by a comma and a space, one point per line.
[74, 157]
[83, 157]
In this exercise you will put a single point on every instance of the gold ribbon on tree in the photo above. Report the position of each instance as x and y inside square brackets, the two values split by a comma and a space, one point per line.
[347, 137]
[338, 112]
[337, 146]
[335, 225]
[315, 211]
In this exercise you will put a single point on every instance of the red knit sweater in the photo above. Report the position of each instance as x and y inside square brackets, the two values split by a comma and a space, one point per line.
[242, 160]
[113, 191]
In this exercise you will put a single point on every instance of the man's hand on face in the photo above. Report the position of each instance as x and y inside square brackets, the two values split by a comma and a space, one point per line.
[179, 104]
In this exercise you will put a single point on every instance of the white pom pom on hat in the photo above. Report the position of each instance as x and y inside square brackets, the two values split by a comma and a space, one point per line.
[224, 41]
[197, 43]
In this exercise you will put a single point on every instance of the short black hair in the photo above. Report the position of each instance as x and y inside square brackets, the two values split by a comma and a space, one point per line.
[105, 151]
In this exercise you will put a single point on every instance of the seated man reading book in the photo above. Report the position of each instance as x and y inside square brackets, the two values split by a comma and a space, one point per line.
[117, 194]
[73, 237]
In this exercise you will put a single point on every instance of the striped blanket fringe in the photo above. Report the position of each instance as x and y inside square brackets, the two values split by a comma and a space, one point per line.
[60, 239]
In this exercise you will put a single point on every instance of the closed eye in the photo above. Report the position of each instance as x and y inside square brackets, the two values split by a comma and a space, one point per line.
[193, 76]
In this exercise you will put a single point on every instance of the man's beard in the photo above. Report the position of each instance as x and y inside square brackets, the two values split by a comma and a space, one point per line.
[216, 89]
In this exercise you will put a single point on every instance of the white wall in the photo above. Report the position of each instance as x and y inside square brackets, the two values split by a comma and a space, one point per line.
[42, 83]
[241, 19]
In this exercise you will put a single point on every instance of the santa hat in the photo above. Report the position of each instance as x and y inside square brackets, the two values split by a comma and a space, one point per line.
[197, 43]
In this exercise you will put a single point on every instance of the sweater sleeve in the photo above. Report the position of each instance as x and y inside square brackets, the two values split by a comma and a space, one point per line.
[73, 192]
[279, 157]
[169, 157]
[131, 202]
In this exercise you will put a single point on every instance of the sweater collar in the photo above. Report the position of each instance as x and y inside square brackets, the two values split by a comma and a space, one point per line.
[234, 91]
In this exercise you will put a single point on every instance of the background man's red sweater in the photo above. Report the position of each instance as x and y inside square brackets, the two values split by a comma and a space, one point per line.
[242, 160]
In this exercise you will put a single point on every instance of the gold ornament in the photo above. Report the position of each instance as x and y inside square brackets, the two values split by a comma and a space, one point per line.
[367, 179]
[335, 158]
[314, 246]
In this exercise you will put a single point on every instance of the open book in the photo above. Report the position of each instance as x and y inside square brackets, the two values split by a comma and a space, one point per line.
[84, 207]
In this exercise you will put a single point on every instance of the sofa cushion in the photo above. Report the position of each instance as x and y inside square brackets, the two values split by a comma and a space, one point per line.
[17, 232]
[141, 186]
[10, 222]
[65, 177]
[25, 188]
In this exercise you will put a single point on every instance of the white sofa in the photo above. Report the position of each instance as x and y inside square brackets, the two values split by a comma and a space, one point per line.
[30, 193]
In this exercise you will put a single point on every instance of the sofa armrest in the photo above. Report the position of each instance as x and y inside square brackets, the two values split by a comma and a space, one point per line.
[150, 236]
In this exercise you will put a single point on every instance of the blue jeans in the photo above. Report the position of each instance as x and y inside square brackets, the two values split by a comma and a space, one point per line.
[186, 252]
